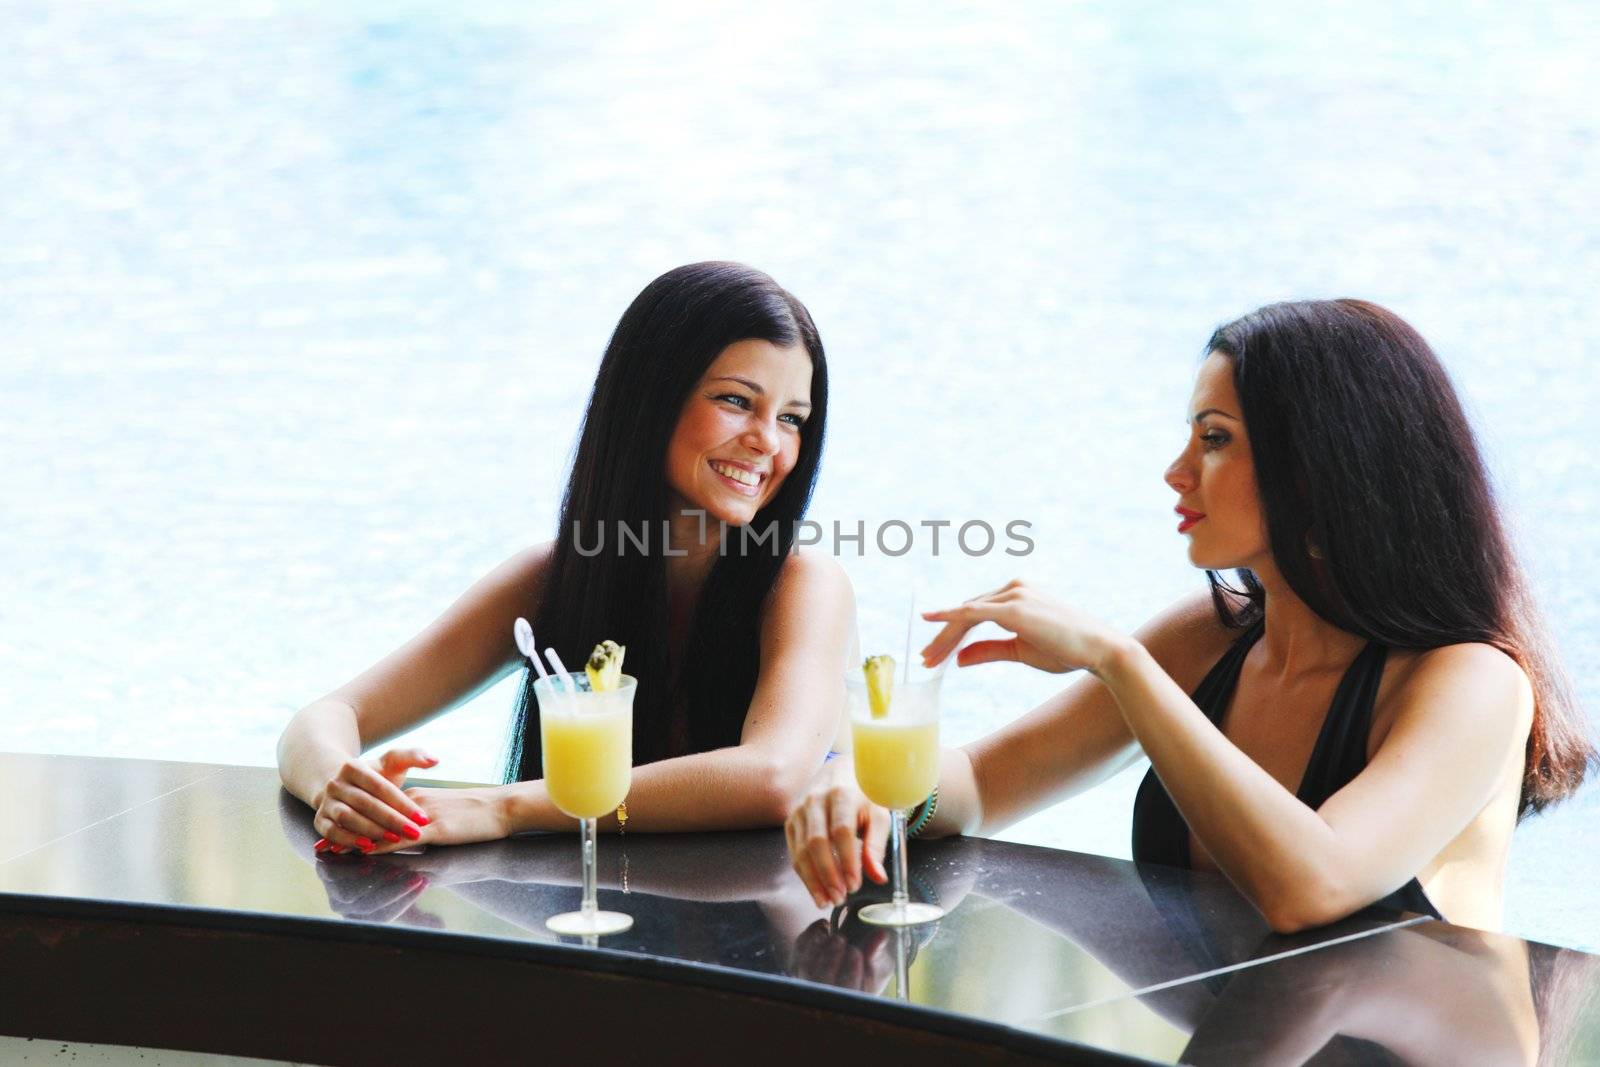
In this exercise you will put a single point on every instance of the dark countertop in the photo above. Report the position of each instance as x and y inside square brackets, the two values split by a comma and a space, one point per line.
[1062, 949]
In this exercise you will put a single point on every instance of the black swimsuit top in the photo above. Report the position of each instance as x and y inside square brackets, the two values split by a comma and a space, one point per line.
[1160, 834]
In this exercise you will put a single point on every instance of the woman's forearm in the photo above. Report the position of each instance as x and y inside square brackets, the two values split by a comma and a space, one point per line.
[960, 809]
[736, 788]
[1258, 832]
[320, 737]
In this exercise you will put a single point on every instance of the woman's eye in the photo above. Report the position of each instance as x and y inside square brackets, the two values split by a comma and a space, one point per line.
[794, 420]
[1214, 438]
[735, 399]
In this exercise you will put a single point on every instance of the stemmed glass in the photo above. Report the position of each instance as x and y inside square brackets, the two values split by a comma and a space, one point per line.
[587, 738]
[897, 766]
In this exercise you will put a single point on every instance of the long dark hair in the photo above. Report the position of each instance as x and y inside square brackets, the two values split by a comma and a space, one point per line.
[1379, 511]
[663, 344]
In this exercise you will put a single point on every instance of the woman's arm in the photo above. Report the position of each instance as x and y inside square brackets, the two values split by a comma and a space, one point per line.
[1460, 731]
[1463, 719]
[1069, 743]
[465, 649]
[805, 633]
[1072, 742]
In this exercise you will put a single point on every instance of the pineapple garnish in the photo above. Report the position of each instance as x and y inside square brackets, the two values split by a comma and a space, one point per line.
[605, 666]
[880, 684]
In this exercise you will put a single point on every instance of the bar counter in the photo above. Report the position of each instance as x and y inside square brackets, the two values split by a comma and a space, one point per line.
[181, 906]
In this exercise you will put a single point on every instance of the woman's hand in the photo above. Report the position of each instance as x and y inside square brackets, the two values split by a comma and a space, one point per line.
[363, 804]
[1048, 634]
[834, 834]
[446, 817]
[462, 816]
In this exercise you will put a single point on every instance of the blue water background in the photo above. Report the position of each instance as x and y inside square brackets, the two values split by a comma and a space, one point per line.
[301, 303]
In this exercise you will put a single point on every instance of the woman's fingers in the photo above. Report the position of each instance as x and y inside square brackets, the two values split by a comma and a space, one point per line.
[808, 875]
[843, 815]
[1004, 608]
[414, 797]
[341, 824]
[389, 791]
[819, 847]
[994, 606]
[394, 763]
[800, 857]
[873, 842]
[989, 652]
[948, 637]
[386, 821]
[359, 776]
[1010, 591]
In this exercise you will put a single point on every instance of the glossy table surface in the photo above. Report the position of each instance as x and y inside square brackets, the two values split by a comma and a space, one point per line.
[1154, 963]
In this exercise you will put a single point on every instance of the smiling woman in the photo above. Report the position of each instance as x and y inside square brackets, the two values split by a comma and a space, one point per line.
[737, 439]
[707, 415]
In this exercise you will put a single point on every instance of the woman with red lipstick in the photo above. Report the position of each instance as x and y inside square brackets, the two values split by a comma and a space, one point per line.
[1363, 718]
[706, 422]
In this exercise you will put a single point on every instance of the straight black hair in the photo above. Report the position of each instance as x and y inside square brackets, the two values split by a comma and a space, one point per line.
[664, 343]
[1363, 453]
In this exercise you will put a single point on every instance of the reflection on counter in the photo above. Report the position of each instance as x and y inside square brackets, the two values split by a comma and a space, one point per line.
[1160, 963]
[1427, 993]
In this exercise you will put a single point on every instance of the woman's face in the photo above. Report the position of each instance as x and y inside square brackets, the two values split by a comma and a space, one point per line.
[739, 432]
[1215, 478]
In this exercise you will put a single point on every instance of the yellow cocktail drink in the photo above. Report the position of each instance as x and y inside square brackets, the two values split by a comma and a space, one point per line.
[586, 732]
[894, 731]
[588, 755]
[897, 763]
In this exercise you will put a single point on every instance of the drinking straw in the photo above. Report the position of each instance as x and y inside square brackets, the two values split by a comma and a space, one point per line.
[561, 671]
[911, 615]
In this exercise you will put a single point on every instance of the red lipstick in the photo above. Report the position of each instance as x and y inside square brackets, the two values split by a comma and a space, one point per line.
[1189, 518]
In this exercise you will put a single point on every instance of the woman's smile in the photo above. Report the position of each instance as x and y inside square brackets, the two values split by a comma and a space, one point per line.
[743, 478]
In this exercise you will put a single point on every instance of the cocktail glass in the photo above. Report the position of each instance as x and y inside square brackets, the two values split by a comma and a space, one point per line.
[587, 738]
[897, 766]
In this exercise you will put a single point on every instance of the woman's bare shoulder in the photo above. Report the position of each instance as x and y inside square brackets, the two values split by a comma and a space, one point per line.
[810, 586]
[811, 572]
[1466, 674]
[530, 564]
[523, 571]
[1187, 638]
[512, 586]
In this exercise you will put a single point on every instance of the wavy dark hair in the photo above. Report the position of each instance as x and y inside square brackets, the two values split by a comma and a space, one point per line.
[662, 346]
[1362, 450]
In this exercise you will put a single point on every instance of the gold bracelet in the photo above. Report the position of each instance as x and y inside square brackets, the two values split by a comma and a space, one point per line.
[622, 817]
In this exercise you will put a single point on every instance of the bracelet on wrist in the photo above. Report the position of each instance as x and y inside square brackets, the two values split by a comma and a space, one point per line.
[922, 814]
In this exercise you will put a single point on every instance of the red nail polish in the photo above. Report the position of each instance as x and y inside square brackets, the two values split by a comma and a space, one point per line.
[322, 843]
[337, 850]
[420, 819]
[413, 833]
[365, 843]
[391, 837]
